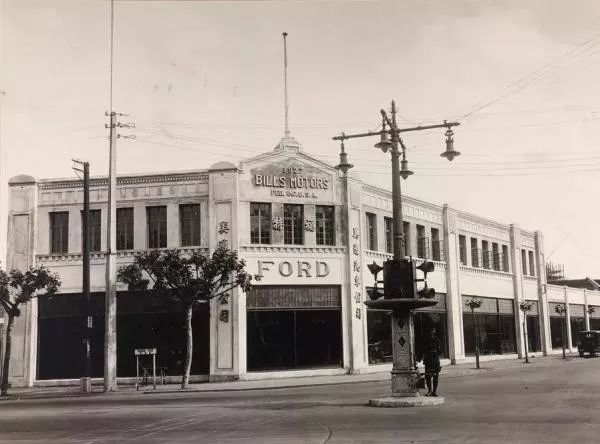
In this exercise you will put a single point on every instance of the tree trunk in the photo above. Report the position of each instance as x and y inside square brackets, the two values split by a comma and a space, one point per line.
[189, 349]
[6, 363]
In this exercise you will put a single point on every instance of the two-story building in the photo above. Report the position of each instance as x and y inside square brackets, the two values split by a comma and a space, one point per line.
[309, 231]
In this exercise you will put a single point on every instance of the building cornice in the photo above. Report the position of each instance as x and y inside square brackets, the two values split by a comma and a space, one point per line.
[167, 177]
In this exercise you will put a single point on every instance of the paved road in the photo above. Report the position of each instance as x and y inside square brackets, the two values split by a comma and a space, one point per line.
[561, 404]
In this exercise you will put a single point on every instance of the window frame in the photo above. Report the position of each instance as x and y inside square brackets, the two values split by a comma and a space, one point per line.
[64, 232]
[265, 236]
[194, 228]
[293, 224]
[162, 227]
[129, 231]
[325, 225]
[371, 220]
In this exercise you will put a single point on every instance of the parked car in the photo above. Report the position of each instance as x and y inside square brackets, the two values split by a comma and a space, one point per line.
[588, 342]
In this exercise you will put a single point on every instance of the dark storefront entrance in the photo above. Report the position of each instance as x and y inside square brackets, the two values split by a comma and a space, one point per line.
[142, 322]
[293, 327]
[496, 321]
[533, 328]
[557, 324]
[379, 329]
[577, 321]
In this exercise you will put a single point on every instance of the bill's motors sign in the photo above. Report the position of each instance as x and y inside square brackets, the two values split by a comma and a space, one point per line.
[291, 180]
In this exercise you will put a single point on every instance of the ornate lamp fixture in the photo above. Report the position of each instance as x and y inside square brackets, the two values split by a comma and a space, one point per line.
[450, 152]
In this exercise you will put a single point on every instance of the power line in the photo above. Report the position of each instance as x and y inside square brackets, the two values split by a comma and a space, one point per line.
[524, 81]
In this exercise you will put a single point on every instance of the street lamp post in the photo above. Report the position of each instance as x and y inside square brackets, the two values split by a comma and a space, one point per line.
[404, 376]
[525, 307]
[562, 311]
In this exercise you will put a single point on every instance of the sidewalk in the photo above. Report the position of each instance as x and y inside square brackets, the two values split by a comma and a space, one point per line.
[450, 371]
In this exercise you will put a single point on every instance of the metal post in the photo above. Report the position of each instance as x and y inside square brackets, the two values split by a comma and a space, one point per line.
[86, 382]
[154, 371]
[525, 337]
[137, 372]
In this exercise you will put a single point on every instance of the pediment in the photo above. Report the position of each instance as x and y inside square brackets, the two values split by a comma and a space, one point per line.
[286, 175]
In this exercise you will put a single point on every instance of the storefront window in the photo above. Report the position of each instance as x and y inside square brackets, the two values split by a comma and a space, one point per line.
[496, 324]
[144, 322]
[577, 325]
[533, 333]
[293, 327]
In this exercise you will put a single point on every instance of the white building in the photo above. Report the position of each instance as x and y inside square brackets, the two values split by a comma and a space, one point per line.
[310, 232]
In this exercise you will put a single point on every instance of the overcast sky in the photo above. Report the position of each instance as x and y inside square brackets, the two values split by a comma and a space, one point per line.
[203, 82]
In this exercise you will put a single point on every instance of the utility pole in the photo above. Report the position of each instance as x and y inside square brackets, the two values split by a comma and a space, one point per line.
[110, 314]
[86, 380]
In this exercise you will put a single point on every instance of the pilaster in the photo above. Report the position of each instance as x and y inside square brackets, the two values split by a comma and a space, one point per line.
[225, 312]
[517, 275]
[22, 215]
[453, 295]
[586, 314]
[542, 293]
[568, 318]
[353, 308]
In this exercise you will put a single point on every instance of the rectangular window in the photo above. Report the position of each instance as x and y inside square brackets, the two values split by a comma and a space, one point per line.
[422, 242]
[435, 245]
[486, 254]
[124, 228]
[496, 256]
[371, 232]
[531, 264]
[524, 262]
[59, 232]
[95, 230]
[474, 253]
[260, 223]
[189, 218]
[505, 258]
[157, 226]
[406, 229]
[293, 224]
[389, 234]
[462, 249]
[325, 224]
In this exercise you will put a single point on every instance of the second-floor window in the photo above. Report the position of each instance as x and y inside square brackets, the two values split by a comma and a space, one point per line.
[95, 233]
[325, 225]
[475, 262]
[389, 234]
[497, 256]
[524, 262]
[189, 217]
[505, 258]
[462, 249]
[124, 228]
[436, 250]
[157, 226]
[293, 224]
[59, 232]
[485, 251]
[531, 264]
[422, 243]
[260, 223]
[371, 232]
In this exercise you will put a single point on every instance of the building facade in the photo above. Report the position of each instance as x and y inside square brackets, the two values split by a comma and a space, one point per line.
[309, 232]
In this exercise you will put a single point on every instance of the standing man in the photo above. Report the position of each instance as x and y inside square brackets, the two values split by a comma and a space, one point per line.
[431, 360]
